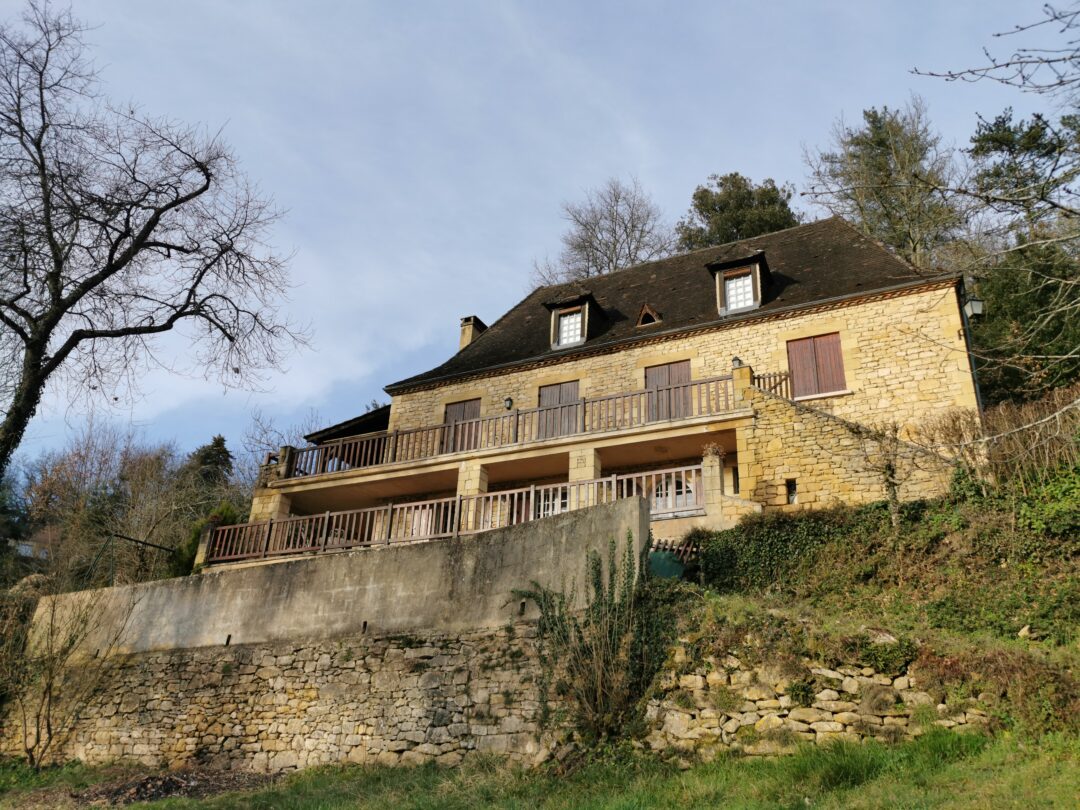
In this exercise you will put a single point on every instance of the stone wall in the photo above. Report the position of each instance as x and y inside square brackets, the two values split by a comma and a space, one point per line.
[728, 705]
[904, 356]
[274, 707]
[827, 458]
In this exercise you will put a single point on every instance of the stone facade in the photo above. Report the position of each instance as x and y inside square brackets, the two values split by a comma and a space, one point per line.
[830, 460]
[728, 705]
[385, 700]
[904, 355]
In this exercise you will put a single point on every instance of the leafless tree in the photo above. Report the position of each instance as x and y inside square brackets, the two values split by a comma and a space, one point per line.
[47, 672]
[114, 506]
[617, 226]
[265, 435]
[887, 177]
[116, 228]
[1039, 69]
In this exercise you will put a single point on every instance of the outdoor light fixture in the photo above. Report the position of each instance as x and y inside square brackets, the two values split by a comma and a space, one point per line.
[736, 362]
[509, 403]
[973, 307]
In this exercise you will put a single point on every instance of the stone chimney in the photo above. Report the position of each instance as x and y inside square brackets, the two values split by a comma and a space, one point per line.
[471, 328]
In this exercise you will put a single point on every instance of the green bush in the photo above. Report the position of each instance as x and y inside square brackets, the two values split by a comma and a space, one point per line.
[767, 549]
[1053, 507]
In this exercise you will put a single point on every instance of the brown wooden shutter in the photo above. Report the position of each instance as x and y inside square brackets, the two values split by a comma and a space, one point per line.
[561, 402]
[803, 367]
[830, 363]
[816, 365]
[465, 437]
[668, 403]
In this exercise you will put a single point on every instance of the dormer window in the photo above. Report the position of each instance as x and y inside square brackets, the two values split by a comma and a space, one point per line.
[571, 318]
[739, 291]
[570, 327]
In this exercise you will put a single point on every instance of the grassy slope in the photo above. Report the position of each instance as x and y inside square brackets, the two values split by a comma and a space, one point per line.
[938, 770]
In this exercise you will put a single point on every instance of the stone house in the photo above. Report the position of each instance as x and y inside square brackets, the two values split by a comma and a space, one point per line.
[727, 380]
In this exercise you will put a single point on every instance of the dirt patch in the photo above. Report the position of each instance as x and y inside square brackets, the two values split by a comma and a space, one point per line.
[143, 788]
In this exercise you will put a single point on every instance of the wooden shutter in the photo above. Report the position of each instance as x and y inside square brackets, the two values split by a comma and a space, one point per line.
[803, 367]
[816, 365]
[465, 437]
[668, 403]
[830, 363]
[560, 402]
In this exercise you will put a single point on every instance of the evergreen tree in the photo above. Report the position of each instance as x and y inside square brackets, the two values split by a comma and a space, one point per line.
[730, 207]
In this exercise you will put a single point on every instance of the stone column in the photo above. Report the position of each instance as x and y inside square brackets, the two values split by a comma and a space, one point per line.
[712, 483]
[472, 480]
[267, 503]
[584, 466]
[741, 379]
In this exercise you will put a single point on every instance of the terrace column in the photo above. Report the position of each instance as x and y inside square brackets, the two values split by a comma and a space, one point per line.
[472, 480]
[584, 466]
[269, 504]
[712, 484]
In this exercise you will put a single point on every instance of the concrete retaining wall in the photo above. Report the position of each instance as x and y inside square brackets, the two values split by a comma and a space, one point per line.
[439, 586]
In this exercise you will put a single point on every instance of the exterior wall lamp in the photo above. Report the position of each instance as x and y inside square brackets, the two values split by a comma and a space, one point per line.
[736, 362]
[973, 307]
[508, 403]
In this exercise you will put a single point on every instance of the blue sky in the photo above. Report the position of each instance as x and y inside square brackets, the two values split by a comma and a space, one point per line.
[422, 149]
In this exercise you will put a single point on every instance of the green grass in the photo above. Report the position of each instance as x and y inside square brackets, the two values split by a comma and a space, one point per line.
[940, 769]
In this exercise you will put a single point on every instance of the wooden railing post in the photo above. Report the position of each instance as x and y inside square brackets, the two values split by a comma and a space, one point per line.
[389, 522]
[532, 502]
[325, 530]
[457, 515]
[269, 531]
[514, 426]
[581, 416]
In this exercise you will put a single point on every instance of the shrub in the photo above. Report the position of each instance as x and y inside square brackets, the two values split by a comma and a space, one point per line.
[767, 549]
[802, 692]
[602, 655]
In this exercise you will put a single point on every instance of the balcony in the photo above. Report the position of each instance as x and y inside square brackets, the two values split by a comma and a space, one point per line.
[617, 412]
[671, 493]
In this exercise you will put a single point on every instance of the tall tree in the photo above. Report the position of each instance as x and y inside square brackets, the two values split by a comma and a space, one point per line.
[116, 228]
[1024, 188]
[616, 226]
[889, 177]
[730, 207]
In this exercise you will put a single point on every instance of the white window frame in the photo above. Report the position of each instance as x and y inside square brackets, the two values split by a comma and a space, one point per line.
[743, 288]
[577, 313]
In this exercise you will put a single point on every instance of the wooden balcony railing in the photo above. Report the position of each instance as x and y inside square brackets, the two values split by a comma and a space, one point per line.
[616, 412]
[673, 492]
[776, 382]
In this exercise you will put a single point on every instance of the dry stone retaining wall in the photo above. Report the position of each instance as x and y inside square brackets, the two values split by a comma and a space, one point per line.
[388, 700]
[728, 705]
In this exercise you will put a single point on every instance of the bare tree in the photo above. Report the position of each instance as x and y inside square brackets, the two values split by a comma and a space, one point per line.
[888, 177]
[264, 435]
[617, 226]
[47, 672]
[116, 508]
[1038, 69]
[116, 228]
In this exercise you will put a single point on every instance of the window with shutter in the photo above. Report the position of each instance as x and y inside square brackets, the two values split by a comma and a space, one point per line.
[816, 365]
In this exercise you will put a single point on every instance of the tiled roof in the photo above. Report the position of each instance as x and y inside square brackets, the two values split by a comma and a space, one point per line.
[809, 264]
